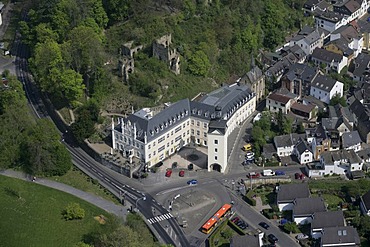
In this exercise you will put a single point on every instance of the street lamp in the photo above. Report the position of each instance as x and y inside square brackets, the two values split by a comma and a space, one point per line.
[143, 198]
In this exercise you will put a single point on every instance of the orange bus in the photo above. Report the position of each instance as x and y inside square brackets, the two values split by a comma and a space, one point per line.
[217, 217]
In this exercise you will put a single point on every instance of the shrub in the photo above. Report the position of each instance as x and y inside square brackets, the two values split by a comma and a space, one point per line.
[249, 198]
[73, 212]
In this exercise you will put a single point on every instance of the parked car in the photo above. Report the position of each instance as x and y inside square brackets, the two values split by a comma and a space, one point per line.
[279, 173]
[299, 175]
[253, 175]
[159, 164]
[249, 155]
[247, 147]
[236, 219]
[190, 167]
[168, 173]
[301, 236]
[264, 225]
[193, 182]
[272, 238]
[181, 173]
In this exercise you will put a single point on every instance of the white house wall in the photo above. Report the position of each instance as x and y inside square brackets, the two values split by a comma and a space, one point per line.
[285, 206]
[302, 220]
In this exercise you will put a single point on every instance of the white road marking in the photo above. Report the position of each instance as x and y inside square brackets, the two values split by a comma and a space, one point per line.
[171, 190]
[159, 218]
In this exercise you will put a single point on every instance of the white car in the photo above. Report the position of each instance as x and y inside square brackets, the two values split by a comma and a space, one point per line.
[249, 155]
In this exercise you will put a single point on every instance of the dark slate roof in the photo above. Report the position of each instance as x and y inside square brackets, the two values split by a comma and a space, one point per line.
[219, 125]
[253, 75]
[310, 3]
[302, 72]
[340, 235]
[314, 101]
[366, 199]
[330, 16]
[347, 32]
[302, 146]
[364, 154]
[319, 132]
[308, 34]
[308, 206]
[307, 108]
[350, 139]
[324, 83]
[325, 55]
[358, 109]
[161, 122]
[327, 219]
[287, 140]
[360, 66]
[342, 45]
[331, 156]
[290, 192]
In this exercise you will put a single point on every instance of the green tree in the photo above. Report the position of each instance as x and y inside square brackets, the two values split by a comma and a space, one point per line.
[291, 227]
[73, 212]
[199, 63]
[287, 126]
[85, 124]
[43, 154]
[82, 244]
[338, 100]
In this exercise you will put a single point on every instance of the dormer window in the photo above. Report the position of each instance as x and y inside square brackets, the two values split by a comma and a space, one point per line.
[161, 126]
[186, 112]
[156, 130]
[151, 132]
[178, 117]
[165, 124]
[194, 111]
[199, 112]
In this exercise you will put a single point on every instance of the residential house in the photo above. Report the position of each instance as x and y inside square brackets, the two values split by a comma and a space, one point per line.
[362, 119]
[285, 143]
[308, 99]
[350, 36]
[325, 88]
[315, 6]
[255, 80]
[354, 9]
[340, 236]
[351, 140]
[303, 152]
[298, 79]
[276, 102]
[330, 20]
[325, 219]
[330, 61]
[305, 208]
[319, 140]
[308, 39]
[364, 27]
[359, 69]
[153, 135]
[340, 162]
[364, 155]
[307, 111]
[340, 46]
[365, 203]
[336, 124]
[287, 193]
[277, 64]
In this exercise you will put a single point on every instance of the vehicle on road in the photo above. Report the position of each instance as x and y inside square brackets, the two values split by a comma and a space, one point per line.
[257, 117]
[301, 236]
[268, 173]
[159, 164]
[299, 175]
[264, 225]
[192, 182]
[181, 173]
[253, 175]
[249, 155]
[168, 173]
[247, 147]
[190, 167]
[224, 211]
[279, 173]
[272, 238]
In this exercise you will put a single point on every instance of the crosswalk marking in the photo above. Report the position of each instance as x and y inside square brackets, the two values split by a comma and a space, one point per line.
[160, 218]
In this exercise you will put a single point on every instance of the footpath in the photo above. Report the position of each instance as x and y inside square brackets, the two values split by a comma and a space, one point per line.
[110, 207]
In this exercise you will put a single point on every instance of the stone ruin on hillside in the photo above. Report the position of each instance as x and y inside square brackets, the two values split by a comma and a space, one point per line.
[126, 64]
[163, 51]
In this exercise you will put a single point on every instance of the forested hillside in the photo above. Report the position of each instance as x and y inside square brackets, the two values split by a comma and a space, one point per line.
[75, 46]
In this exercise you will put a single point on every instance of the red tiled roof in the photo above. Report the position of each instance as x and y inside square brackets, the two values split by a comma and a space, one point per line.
[279, 98]
[302, 107]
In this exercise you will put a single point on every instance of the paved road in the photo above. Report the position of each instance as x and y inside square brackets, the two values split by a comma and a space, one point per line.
[106, 205]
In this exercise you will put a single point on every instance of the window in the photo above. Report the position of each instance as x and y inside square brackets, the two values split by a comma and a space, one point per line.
[306, 155]
[205, 143]
[198, 123]
[178, 129]
[171, 142]
[216, 142]
[205, 134]
[149, 156]
[177, 138]
[205, 125]
[149, 146]
[168, 144]
[154, 153]
[187, 132]
[161, 139]
[192, 122]
[192, 132]
[153, 144]
[161, 149]
[216, 150]
[188, 123]
[215, 157]
[168, 135]
[198, 132]
[183, 134]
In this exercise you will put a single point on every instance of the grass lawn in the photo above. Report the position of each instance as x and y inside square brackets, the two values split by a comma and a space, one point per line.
[31, 216]
[332, 200]
[79, 180]
[219, 239]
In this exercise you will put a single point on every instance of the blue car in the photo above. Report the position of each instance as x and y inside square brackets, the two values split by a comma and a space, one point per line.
[193, 182]
[279, 173]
